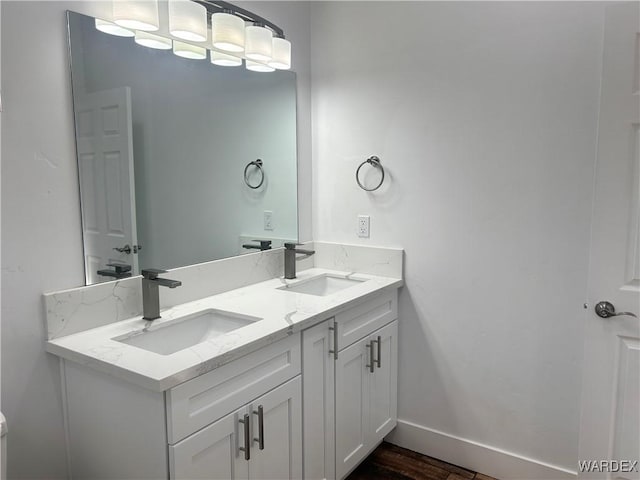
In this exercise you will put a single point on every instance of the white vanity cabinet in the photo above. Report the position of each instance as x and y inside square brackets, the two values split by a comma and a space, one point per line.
[331, 389]
[195, 430]
[269, 448]
[260, 440]
[349, 397]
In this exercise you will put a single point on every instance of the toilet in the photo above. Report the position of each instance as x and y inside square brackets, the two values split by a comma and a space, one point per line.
[3, 447]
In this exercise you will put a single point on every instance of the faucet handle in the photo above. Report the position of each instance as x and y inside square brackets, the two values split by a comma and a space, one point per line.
[152, 273]
[291, 245]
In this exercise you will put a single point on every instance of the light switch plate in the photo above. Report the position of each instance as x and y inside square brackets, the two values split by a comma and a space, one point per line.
[268, 220]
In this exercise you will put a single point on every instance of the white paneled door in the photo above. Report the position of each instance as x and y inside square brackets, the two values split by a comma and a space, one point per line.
[105, 162]
[610, 417]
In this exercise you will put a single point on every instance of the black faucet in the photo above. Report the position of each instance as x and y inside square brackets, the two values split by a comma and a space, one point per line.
[264, 245]
[150, 294]
[290, 252]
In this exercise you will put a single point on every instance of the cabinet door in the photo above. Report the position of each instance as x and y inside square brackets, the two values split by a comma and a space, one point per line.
[212, 453]
[352, 405]
[281, 457]
[383, 397]
[318, 401]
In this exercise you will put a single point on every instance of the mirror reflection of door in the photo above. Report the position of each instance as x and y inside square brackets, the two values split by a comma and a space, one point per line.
[610, 421]
[105, 153]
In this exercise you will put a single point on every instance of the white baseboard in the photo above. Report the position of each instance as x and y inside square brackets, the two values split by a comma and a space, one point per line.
[473, 455]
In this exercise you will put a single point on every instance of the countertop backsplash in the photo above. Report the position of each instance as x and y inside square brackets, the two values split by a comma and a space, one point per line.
[78, 309]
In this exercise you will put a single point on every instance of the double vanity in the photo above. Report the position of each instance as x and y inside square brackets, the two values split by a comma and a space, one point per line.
[268, 380]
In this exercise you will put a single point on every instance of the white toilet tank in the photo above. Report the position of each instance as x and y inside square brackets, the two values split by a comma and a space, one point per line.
[3, 448]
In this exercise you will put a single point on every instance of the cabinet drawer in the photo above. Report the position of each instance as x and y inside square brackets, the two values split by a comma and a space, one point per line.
[361, 320]
[204, 399]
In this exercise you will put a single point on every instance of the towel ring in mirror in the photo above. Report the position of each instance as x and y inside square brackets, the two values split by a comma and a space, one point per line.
[258, 164]
[374, 162]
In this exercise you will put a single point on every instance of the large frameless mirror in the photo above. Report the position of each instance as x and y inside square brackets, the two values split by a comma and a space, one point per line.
[180, 161]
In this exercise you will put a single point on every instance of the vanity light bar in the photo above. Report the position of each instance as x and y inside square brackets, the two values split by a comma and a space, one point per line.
[261, 43]
[215, 6]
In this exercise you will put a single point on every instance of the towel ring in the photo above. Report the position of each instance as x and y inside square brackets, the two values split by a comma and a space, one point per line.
[374, 162]
[258, 164]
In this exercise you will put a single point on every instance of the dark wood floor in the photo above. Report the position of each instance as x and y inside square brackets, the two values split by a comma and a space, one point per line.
[388, 462]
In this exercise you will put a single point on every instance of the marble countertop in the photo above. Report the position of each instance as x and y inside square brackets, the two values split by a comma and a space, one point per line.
[283, 313]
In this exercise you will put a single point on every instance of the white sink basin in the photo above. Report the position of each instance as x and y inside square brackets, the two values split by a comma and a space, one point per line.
[187, 331]
[322, 285]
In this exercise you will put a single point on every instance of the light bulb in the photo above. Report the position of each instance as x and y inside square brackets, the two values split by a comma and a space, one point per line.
[224, 59]
[258, 43]
[136, 15]
[258, 67]
[227, 32]
[151, 40]
[188, 20]
[186, 50]
[112, 29]
[281, 57]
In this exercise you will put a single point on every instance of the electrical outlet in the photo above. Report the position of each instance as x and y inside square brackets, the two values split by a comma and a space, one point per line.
[363, 226]
[268, 220]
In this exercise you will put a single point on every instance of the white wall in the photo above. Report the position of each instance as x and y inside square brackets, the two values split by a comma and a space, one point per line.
[41, 239]
[484, 115]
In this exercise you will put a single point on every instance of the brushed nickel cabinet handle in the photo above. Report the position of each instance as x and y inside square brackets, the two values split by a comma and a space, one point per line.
[260, 439]
[379, 359]
[372, 363]
[247, 441]
[334, 329]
